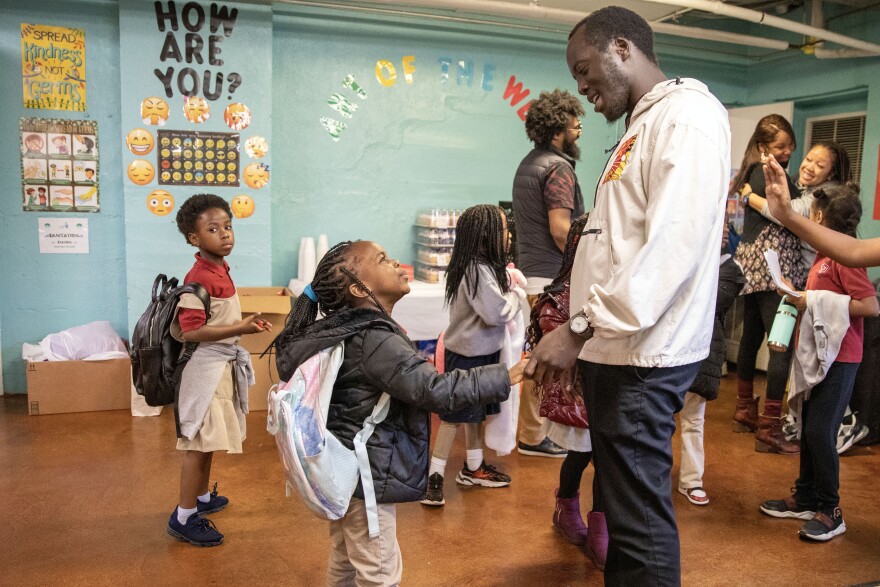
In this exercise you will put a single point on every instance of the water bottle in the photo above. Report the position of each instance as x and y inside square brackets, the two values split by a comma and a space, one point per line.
[783, 327]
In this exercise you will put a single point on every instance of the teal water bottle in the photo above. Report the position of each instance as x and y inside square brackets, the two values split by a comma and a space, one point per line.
[783, 327]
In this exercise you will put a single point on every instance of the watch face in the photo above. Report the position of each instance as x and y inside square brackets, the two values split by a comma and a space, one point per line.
[579, 324]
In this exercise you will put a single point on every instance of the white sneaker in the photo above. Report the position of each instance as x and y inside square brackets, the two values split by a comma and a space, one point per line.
[791, 427]
[851, 431]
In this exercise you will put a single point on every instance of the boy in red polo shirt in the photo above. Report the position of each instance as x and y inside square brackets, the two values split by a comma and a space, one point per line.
[212, 400]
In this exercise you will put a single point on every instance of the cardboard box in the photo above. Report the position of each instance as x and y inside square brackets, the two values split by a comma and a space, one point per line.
[274, 303]
[61, 387]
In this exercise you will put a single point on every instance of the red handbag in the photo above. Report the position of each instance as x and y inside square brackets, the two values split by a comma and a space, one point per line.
[552, 311]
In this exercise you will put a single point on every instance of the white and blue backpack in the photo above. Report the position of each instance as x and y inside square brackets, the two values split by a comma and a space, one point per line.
[317, 465]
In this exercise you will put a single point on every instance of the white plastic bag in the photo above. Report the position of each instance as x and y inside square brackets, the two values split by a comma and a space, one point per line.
[500, 431]
[92, 341]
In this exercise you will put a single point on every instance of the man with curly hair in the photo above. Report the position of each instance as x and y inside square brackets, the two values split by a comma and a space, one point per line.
[546, 197]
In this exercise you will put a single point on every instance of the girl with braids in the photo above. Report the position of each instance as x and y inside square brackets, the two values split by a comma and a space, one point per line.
[481, 302]
[355, 287]
[829, 350]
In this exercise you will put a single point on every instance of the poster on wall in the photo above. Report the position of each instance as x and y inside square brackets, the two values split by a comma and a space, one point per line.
[59, 165]
[198, 158]
[53, 67]
[64, 235]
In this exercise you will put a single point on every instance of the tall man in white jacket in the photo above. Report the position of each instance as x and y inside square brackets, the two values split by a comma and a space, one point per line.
[644, 282]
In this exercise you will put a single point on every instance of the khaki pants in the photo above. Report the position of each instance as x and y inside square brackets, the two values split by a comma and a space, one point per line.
[357, 559]
[530, 422]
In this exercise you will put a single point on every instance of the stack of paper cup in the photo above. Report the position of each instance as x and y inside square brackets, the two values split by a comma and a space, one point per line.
[306, 267]
[323, 247]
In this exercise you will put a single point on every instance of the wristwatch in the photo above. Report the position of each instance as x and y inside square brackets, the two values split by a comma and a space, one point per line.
[580, 325]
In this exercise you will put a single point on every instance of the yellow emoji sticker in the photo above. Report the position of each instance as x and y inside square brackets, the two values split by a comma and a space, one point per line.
[196, 109]
[160, 202]
[141, 172]
[139, 141]
[237, 116]
[154, 110]
[256, 175]
[242, 206]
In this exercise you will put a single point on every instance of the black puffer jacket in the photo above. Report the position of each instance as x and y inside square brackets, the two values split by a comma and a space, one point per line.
[730, 282]
[379, 357]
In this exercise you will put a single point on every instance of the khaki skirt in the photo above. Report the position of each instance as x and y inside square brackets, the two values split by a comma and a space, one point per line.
[220, 429]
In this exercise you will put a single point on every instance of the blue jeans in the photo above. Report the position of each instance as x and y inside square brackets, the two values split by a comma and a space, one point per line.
[632, 420]
[821, 416]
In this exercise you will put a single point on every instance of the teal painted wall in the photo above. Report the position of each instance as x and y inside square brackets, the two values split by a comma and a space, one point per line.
[436, 141]
[40, 294]
[445, 138]
[153, 244]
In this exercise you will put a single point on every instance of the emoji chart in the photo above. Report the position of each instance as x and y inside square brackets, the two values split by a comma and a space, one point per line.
[59, 165]
[198, 158]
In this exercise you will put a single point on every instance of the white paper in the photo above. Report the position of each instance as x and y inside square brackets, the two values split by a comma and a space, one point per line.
[64, 235]
[776, 273]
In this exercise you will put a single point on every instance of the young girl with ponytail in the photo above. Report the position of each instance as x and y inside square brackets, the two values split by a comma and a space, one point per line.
[827, 357]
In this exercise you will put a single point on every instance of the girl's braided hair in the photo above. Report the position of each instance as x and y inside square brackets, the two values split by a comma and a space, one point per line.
[333, 275]
[479, 237]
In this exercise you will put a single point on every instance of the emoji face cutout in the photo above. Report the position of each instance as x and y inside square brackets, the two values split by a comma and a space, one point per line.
[256, 147]
[141, 172]
[160, 202]
[196, 109]
[154, 110]
[242, 206]
[256, 175]
[237, 116]
[139, 141]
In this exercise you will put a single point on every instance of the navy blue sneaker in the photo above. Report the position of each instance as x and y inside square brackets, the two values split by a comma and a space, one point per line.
[824, 526]
[214, 504]
[197, 531]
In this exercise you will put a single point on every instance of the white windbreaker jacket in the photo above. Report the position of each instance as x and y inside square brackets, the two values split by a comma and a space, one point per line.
[646, 267]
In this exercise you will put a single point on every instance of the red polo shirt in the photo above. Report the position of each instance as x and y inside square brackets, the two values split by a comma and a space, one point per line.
[216, 280]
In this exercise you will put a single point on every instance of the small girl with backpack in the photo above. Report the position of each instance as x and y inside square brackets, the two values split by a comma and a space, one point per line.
[355, 287]
[481, 302]
[827, 357]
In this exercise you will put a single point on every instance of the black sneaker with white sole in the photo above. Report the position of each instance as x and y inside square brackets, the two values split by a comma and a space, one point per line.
[787, 508]
[547, 448]
[824, 526]
[434, 496]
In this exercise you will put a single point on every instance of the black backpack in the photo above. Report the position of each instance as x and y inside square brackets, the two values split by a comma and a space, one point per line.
[156, 358]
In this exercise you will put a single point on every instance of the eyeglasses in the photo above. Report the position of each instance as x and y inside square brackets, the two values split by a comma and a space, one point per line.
[577, 128]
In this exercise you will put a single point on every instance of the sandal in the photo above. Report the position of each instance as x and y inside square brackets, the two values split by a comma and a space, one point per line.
[695, 495]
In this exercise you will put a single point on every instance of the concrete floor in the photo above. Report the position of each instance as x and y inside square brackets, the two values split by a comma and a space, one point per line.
[86, 498]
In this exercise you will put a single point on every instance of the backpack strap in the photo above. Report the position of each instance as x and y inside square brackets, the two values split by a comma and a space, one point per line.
[200, 292]
[360, 450]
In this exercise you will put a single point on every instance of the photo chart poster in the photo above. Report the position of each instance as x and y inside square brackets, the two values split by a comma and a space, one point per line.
[59, 165]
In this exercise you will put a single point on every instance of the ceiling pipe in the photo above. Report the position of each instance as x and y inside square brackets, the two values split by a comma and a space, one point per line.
[720, 8]
[817, 19]
[534, 11]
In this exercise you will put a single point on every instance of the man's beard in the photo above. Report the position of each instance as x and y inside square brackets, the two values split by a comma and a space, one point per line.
[617, 91]
[572, 149]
